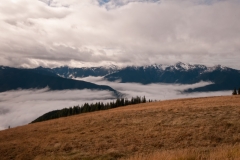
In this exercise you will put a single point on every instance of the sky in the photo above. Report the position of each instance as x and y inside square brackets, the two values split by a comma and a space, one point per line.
[78, 33]
[23, 106]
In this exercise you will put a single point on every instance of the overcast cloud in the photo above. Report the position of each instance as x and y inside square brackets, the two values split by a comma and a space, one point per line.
[123, 32]
[23, 106]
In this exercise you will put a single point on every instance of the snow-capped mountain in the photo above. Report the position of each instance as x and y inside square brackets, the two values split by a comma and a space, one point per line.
[182, 73]
[180, 67]
[113, 71]
[68, 72]
[223, 78]
[185, 67]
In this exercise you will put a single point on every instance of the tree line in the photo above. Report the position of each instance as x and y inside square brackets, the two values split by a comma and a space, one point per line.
[236, 92]
[90, 108]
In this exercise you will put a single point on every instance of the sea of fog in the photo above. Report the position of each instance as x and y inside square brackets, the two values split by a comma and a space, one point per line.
[23, 106]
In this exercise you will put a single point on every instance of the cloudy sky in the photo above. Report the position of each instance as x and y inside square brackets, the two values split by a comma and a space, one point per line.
[123, 32]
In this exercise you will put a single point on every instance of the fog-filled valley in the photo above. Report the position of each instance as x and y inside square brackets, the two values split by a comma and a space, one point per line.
[20, 107]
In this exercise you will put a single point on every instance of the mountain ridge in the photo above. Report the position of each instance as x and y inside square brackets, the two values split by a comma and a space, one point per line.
[15, 78]
[222, 77]
[113, 68]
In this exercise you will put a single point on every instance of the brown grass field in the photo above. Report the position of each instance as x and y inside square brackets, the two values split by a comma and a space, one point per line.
[183, 129]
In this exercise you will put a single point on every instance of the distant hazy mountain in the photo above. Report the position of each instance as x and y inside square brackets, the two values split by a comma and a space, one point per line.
[13, 78]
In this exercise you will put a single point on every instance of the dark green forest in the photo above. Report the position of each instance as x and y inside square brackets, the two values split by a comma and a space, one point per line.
[90, 108]
[236, 92]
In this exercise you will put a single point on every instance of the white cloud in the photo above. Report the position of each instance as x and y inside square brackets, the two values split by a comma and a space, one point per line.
[23, 106]
[77, 33]
[156, 91]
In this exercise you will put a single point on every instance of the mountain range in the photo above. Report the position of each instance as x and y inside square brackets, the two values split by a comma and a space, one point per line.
[221, 77]
[68, 72]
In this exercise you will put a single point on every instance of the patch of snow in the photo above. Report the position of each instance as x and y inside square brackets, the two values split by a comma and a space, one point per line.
[111, 67]
[181, 65]
[156, 66]
[186, 67]
[60, 75]
[217, 67]
[164, 66]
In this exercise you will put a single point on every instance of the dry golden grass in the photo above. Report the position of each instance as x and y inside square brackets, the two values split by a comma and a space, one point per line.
[217, 153]
[175, 127]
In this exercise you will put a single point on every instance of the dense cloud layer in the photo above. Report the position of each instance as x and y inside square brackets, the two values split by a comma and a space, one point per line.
[123, 32]
[156, 91]
[22, 107]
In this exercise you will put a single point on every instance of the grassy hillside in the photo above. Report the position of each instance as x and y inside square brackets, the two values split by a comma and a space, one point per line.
[194, 128]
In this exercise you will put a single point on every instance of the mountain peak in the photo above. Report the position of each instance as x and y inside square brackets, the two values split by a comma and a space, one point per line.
[182, 65]
[179, 66]
[220, 67]
[111, 66]
[217, 67]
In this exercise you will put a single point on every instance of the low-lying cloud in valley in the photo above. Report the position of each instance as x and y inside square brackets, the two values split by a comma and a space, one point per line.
[156, 91]
[23, 106]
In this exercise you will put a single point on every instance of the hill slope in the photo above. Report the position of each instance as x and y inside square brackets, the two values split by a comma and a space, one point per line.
[200, 123]
[13, 78]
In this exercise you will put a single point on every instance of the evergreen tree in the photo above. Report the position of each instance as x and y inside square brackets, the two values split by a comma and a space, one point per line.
[93, 107]
[70, 111]
[126, 102]
[144, 100]
[234, 92]
[132, 101]
[122, 102]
